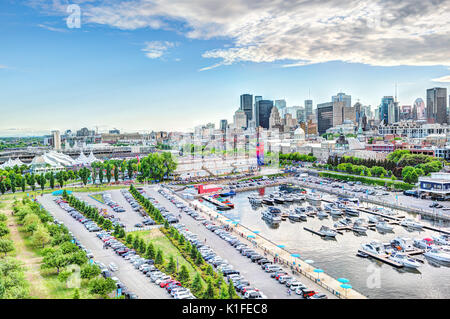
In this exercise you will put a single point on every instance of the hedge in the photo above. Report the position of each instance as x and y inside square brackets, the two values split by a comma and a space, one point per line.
[369, 181]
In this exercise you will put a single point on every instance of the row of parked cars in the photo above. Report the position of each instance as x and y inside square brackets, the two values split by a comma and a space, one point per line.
[108, 201]
[241, 284]
[89, 224]
[264, 181]
[147, 221]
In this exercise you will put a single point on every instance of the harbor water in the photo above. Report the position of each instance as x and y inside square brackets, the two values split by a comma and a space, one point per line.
[337, 257]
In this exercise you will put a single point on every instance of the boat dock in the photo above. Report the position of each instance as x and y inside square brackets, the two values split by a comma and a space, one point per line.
[216, 202]
[319, 233]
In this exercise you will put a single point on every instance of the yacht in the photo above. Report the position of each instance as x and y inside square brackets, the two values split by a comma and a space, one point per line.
[343, 222]
[384, 226]
[272, 215]
[314, 198]
[294, 216]
[403, 244]
[288, 199]
[425, 243]
[375, 219]
[327, 231]
[255, 200]
[438, 254]
[442, 240]
[359, 228]
[279, 199]
[335, 212]
[351, 211]
[384, 211]
[410, 223]
[298, 197]
[374, 247]
[267, 200]
[404, 260]
[329, 207]
[322, 214]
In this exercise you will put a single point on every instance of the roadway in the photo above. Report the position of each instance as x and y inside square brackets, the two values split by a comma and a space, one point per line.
[128, 275]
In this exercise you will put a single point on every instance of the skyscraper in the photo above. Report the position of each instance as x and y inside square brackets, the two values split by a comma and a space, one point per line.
[324, 117]
[240, 119]
[263, 108]
[386, 106]
[247, 106]
[56, 140]
[223, 124]
[437, 105]
[342, 97]
[308, 108]
[280, 104]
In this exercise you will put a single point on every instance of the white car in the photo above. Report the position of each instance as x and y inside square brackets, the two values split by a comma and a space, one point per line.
[183, 295]
[113, 267]
[161, 279]
[296, 285]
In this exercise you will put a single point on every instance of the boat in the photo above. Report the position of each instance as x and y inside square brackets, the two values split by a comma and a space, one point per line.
[322, 214]
[351, 211]
[375, 219]
[267, 200]
[425, 243]
[361, 254]
[254, 199]
[278, 199]
[384, 211]
[411, 223]
[298, 197]
[329, 207]
[294, 216]
[404, 260]
[374, 247]
[438, 254]
[335, 212]
[442, 240]
[303, 217]
[314, 198]
[384, 226]
[327, 231]
[230, 193]
[343, 222]
[403, 244]
[271, 217]
[359, 228]
[288, 199]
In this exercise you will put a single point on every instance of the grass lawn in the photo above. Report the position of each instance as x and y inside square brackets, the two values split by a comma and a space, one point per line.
[160, 241]
[98, 197]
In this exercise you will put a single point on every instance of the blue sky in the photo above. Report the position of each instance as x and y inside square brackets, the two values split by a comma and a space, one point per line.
[53, 77]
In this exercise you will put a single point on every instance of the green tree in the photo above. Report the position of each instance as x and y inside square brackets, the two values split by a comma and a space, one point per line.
[4, 230]
[6, 246]
[209, 292]
[76, 294]
[41, 237]
[231, 291]
[172, 267]
[159, 257]
[150, 254]
[90, 271]
[101, 286]
[183, 276]
[197, 286]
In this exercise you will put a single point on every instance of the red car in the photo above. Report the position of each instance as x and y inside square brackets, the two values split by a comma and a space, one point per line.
[279, 275]
[248, 288]
[164, 284]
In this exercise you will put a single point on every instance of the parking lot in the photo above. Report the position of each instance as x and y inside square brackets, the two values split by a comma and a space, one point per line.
[128, 275]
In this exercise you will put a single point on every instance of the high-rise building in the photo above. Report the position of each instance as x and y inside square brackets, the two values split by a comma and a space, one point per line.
[386, 104]
[420, 110]
[437, 105]
[280, 104]
[308, 108]
[263, 108]
[223, 124]
[274, 119]
[342, 97]
[247, 106]
[324, 117]
[56, 140]
[240, 119]
[301, 115]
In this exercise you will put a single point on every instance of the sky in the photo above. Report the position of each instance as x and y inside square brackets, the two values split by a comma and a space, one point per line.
[143, 65]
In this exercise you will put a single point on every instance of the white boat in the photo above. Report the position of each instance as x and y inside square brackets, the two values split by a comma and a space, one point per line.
[343, 222]
[404, 260]
[384, 226]
[322, 214]
[425, 243]
[410, 223]
[294, 216]
[384, 211]
[314, 198]
[359, 228]
[336, 212]
[375, 219]
[442, 240]
[298, 197]
[267, 200]
[438, 254]
[255, 200]
[288, 199]
[374, 247]
[351, 211]
[326, 231]
[272, 215]
[403, 244]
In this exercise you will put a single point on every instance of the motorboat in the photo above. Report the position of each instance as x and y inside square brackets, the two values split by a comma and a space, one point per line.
[288, 199]
[404, 260]
[425, 243]
[327, 231]
[438, 254]
[343, 222]
[375, 219]
[384, 226]
[403, 244]
[359, 228]
[411, 223]
[303, 217]
[374, 247]
[442, 240]
[329, 207]
[336, 212]
[294, 216]
[255, 200]
[278, 200]
[384, 211]
[314, 199]
[322, 214]
[268, 201]
[298, 197]
[272, 216]
[300, 210]
[351, 211]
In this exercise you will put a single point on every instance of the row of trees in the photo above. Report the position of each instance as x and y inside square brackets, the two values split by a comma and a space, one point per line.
[297, 157]
[59, 253]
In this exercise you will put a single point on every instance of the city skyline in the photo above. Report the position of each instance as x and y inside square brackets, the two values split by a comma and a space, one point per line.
[139, 72]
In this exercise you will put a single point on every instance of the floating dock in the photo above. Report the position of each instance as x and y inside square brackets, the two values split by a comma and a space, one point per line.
[319, 233]
[384, 257]
[216, 202]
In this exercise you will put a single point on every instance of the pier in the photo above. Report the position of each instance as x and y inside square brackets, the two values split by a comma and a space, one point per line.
[216, 202]
[384, 257]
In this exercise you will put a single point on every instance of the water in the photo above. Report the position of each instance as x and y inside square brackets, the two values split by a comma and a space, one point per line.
[338, 258]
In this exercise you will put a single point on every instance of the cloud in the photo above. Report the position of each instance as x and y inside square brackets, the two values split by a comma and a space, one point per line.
[3, 67]
[445, 78]
[156, 49]
[51, 28]
[296, 32]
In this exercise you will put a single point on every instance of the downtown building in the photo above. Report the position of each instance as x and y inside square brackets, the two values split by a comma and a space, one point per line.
[437, 105]
[247, 106]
